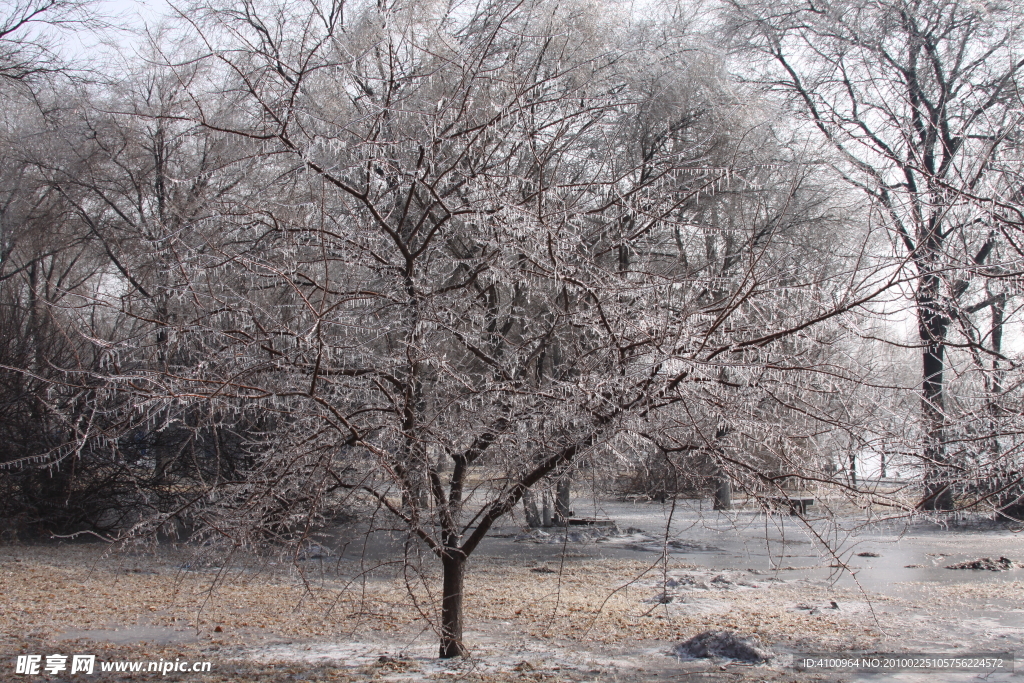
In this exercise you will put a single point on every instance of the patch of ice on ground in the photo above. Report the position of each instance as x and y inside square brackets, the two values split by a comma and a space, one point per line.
[531, 658]
[688, 606]
[692, 581]
[630, 538]
[347, 654]
[573, 535]
[132, 634]
[846, 607]
[419, 661]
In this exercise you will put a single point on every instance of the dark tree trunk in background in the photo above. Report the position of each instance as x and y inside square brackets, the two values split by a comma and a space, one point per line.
[938, 494]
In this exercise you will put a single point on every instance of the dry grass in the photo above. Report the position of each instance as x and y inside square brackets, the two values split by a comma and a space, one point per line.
[52, 592]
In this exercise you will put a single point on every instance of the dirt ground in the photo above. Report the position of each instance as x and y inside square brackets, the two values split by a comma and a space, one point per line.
[536, 611]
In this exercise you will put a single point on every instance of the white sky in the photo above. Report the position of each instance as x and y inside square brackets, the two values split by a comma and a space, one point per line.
[137, 11]
[127, 18]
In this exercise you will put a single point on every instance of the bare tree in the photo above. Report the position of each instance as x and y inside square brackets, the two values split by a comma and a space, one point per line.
[30, 33]
[44, 254]
[93, 180]
[919, 99]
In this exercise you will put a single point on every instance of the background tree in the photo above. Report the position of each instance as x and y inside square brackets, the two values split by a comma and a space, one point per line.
[31, 33]
[43, 253]
[918, 98]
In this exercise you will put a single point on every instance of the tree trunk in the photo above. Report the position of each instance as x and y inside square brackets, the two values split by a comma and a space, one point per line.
[723, 484]
[1010, 502]
[453, 564]
[533, 519]
[932, 327]
[563, 500]
[938, 495]
[723, 492]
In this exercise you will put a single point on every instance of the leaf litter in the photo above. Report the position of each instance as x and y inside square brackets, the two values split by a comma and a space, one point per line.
[574, 620]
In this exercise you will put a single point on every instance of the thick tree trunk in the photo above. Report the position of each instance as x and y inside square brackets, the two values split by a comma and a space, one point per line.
[453, 564]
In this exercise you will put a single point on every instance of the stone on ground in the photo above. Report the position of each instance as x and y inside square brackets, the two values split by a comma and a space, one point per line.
[724, 644]
[1002, 564]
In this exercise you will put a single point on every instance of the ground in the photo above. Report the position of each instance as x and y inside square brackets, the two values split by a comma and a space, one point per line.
[593, 606]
